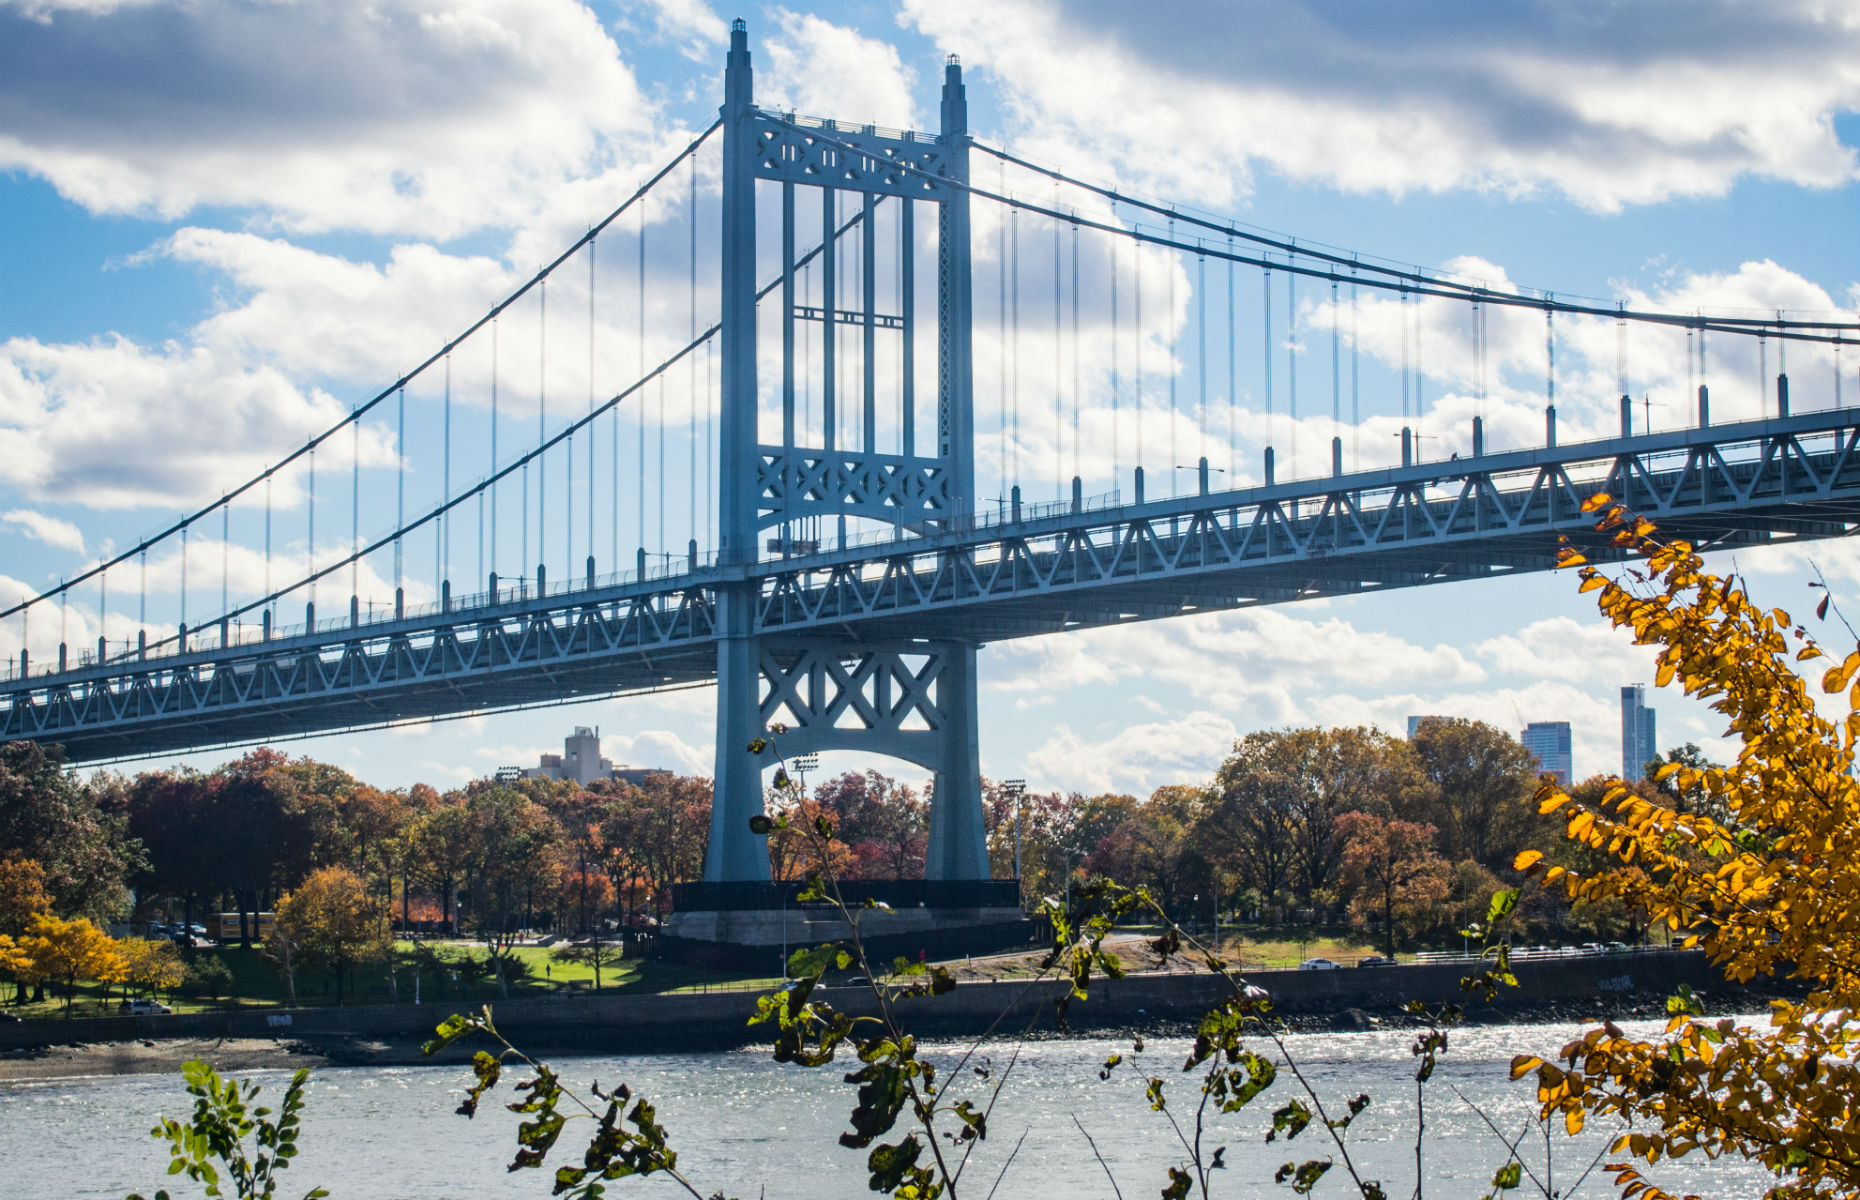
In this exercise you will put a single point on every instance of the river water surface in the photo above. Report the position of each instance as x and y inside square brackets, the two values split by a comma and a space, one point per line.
[749, 1127]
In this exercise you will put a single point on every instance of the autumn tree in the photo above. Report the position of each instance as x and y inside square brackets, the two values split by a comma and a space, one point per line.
[48, 815]
[1479, 782]
[1394, 877]
[512, 839]
[68, 949]
[152, 966]
[656, 832]
[1763, 876]
[332, 921]
[22, 893]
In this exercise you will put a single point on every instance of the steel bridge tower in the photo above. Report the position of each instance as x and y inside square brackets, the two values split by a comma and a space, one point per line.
[913, 699]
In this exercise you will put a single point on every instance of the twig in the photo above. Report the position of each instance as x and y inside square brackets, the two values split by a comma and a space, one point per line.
[1009, 1163]
[1098, 1156]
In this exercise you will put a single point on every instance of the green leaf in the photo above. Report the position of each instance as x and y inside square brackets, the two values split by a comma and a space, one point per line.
[761, 825]
[1502, 904]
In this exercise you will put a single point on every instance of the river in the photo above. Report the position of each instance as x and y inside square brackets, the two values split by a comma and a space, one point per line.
[753, 1128]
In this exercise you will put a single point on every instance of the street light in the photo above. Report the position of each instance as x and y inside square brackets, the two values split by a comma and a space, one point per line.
[1016, 789]
[1070, 856]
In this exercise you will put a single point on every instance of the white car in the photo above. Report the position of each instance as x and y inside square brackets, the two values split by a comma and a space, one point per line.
[1319, 964]
[142, 1007]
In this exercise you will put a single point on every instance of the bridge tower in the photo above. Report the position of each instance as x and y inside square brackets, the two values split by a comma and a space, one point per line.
[909, 699]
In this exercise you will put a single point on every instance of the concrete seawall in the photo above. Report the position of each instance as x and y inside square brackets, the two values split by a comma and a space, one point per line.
[717, 1019]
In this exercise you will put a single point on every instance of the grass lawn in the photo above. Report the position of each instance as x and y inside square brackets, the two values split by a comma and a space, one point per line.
[256, 982]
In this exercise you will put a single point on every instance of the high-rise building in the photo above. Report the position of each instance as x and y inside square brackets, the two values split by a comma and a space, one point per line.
[1549, 743]
[1414, 723]
[1637, 738]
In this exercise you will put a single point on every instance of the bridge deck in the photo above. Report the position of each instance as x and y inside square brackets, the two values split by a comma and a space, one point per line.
[1434, 522]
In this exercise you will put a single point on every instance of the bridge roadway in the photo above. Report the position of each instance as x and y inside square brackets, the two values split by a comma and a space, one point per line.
[1432, 522]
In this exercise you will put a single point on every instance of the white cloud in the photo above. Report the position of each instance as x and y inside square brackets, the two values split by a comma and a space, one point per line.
[441, 116]
[1136, 759]
[50, 530]
[1258, 661]
[1609, 106]
[691, 24]
[825, 70]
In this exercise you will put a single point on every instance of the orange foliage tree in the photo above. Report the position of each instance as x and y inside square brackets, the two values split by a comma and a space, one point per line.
[1763, 877]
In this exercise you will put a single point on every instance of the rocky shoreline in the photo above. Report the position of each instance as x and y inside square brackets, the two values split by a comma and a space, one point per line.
[244, 1054]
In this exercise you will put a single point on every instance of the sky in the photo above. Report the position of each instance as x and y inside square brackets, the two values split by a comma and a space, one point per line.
[224, 224]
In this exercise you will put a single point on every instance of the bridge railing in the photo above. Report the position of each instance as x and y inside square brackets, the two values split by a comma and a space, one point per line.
[1585, 463]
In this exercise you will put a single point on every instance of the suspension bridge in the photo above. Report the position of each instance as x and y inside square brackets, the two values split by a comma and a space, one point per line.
[695, 435]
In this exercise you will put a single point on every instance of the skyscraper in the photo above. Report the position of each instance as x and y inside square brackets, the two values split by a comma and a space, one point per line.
[1637, 740]
[1549, 742]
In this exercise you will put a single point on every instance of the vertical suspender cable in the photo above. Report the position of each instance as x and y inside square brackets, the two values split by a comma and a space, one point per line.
[571, 549]
[1549, 355]
[355, 509]
[442, 528]
[483, 577]
[309, 542]
[1174, 367]
[400, 483]
[268, 604]
[1233, 392]
[1077, 398]
[662, 542]
[542, 432]
[1407, 330]
[639, 375]
[1014, 348]
[1201, 351]
[1137, 405]
[1001, 317]
[1356, 413]
[1059, 400]
[225, 564]
[1266, 356]
[1336, 361]
[1763, 369]
[1116, 431]
[1291, 358]
[691, 335]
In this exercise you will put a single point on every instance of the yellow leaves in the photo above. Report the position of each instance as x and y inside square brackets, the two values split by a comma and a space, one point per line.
[1596, 501]
[1572, 1121]
[1525, 861]
[1592, 582]
[1580, 824]
[1837, 678]
[1551, 802]
[1665, 772]
[1524, 1064]
[1664, 675]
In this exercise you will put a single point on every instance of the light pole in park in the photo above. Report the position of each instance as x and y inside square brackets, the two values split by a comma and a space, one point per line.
[803, 763]
[1016, 789]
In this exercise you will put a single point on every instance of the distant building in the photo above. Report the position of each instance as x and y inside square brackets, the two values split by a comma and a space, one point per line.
[1638, 747]
[581, 762]
[1414, 723]
[1550, 744]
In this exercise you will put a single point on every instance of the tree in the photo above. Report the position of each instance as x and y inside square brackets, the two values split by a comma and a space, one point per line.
[69, 949]
[151, 966]
[442, 846]
[16, 964]
[1394, 876]
[331, 920]
[1478, 794]
[1770, 887]
[22, 893]
[49, 816]
[512, 841]
[596, 954]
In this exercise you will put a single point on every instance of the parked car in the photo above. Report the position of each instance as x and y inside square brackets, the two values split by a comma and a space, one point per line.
[1319, 964]
[1375, 960]
[142, 1007]
[1617, 948]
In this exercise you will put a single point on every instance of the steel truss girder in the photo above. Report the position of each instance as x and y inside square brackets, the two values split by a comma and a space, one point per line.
[883, 487]
[1734, 485]
[880, 163]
